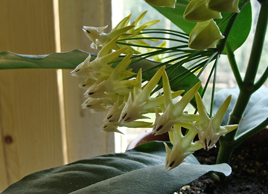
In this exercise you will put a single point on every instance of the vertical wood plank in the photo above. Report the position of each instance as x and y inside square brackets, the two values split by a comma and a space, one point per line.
[83, 137]
[3, 173]
[29, 105]
[27, 26]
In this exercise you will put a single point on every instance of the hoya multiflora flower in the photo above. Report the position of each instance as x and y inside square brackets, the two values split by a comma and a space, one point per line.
[99, 38]
[183, 146]
[173, 112]
[99, 66]
[103, 83]
[209, 129]
[133, 108]
[114, 83]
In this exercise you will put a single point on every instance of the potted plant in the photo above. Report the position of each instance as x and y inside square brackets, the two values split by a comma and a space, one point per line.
[129, 78]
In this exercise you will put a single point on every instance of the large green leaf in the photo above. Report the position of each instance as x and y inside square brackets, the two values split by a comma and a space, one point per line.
[256, 111]
[175, 15]
[257, 114]
[67, 60]
[240, 29]
[140, 170]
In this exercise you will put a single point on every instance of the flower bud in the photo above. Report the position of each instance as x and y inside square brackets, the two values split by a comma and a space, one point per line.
[162, 3]
[223, 5]
[197, 11]
[204, 35]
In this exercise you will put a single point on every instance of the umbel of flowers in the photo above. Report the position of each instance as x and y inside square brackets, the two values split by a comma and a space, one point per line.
[125, 98]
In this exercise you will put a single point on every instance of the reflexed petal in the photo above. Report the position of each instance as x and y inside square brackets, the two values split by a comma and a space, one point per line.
[96, 104]
[134, 107]
[183, 146]
[138, 124]
[110, 127]
[148, 88]
[95, 34]
[175, 156]
[222, 110]
[87, 82]
[163, 123]
[82, 69]
[131, 111]
[209, 129]
[122, 23]
[180, 106]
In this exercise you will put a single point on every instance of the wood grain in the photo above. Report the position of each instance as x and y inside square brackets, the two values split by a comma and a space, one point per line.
[29, 103]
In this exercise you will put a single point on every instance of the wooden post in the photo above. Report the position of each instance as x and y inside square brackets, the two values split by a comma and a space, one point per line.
[83, 137]
[39, 130]
[29, 106]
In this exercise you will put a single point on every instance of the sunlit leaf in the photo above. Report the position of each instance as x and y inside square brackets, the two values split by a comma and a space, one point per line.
[67, 60]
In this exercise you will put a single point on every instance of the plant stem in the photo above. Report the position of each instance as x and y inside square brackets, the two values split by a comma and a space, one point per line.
[227, 142]
[233, 64]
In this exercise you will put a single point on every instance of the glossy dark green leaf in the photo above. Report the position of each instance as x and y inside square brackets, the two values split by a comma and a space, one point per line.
[240, 29]
[175, 15]
[140, 170]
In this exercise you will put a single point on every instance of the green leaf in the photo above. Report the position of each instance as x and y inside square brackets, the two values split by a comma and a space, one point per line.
[238, 34]
[240, 29]
[256, 111]
[140, 170]
[67, 60]
[257, 114]
[175, 15]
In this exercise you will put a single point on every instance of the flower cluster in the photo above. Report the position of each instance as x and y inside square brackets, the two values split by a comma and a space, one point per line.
[206, 32]
[174, 118]
[111, 86]
[100, 39]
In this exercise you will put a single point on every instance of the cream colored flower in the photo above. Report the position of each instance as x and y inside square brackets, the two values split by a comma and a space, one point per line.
[100, 39]
[183, 146]
[140, 96]
[96, 104]
[173, 112]
[99, 66]
[209, 129]
[114, 83]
